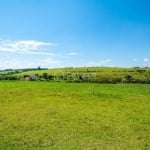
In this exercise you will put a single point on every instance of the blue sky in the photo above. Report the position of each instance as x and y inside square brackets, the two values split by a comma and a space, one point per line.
[64, 33]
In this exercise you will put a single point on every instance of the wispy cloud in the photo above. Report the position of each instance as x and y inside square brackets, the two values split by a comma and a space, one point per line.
[39, 53]
[25, 46]
[72, 54]
[146, 60]
[18, 63]
[51, 61]
[15, 64]
[99, 63]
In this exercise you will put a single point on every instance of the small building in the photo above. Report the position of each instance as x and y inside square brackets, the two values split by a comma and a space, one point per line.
[32, 78]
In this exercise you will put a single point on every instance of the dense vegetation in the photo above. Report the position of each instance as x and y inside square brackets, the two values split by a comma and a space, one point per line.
[71, 116]
[90, 74]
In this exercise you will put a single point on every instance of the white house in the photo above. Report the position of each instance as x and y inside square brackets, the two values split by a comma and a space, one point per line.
[32, 78]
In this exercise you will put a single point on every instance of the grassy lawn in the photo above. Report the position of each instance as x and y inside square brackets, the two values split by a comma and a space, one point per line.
[74, 116]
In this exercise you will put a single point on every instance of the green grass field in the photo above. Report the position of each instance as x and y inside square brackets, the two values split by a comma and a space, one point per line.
[138, 73]
[74, 116]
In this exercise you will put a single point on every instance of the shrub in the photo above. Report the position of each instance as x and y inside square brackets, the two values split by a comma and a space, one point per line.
[45, 75]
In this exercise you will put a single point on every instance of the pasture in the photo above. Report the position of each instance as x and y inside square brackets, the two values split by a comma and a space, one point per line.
[74, 116]
[84, 74]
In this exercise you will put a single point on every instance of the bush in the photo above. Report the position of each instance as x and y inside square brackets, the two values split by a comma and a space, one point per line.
[45, 75]
[8, 78]
[116, 80]
[128, 78]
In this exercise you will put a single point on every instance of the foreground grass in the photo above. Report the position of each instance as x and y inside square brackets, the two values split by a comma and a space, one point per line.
[69, 116]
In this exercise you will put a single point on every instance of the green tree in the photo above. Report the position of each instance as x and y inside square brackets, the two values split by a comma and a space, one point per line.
[45, 75]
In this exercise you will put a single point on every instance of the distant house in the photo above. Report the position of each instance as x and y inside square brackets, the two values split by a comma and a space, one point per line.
[32, 78]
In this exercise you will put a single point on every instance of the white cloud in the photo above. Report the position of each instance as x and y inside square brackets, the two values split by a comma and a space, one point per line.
[39, 53]
[51, 61]
[48, 62]
[146, 60]
[24, 46]
[72, 53]
[105, 62]
[15, 64]
[18, 63]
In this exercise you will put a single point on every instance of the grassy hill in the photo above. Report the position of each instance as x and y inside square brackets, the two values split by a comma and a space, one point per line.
[91, 74]
[95, 74]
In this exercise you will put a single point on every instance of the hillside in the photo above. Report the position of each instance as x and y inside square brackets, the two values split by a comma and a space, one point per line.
[85, 74]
